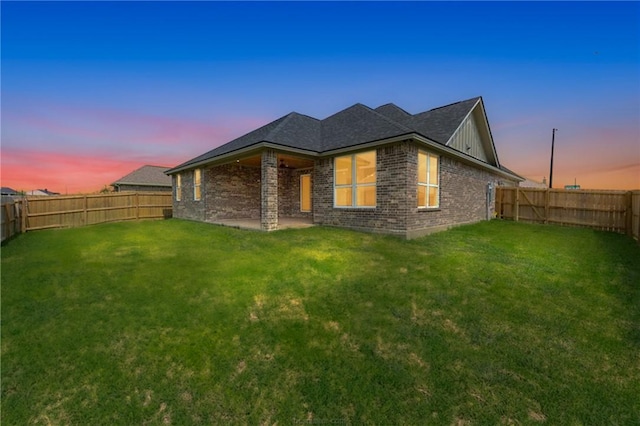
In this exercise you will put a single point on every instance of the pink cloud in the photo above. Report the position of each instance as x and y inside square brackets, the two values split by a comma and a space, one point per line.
[69, 149]
[24, 169]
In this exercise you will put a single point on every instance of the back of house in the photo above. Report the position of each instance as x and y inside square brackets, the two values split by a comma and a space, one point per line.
[378, 170]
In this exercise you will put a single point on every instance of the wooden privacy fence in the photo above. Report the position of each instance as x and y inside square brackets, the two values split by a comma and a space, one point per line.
[80, 210]
[11, 214]
[616, 211]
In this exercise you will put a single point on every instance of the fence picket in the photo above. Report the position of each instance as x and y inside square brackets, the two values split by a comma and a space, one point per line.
[80, 210]
[615, 211]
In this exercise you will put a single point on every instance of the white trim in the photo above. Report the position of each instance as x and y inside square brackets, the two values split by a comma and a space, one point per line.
[485, 121]
[428, 184]
[462, 122]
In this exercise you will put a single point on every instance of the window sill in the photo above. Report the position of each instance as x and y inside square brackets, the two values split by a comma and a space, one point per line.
[429, 209]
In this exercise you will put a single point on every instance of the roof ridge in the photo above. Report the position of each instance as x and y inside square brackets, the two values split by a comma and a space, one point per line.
[274, 131]
[343, 110]
[394, 122]
[303, 115]
[453, 103]
[395, 106]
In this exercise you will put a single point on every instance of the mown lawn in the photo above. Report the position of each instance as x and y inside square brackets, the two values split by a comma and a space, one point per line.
[174, 322]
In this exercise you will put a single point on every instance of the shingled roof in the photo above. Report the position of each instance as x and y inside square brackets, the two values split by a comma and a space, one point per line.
[350, 127]
[146, 176]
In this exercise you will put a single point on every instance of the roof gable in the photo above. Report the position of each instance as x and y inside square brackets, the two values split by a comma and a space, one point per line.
[473, 136]
[440, 123]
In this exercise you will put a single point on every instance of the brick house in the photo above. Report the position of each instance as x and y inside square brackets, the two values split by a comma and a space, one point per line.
[146, 178]
[378, 170]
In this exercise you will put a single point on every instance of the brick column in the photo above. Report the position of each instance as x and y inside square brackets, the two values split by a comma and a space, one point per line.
[269, 181]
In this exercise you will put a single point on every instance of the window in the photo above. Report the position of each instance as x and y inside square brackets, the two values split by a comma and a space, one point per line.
[178, 187]
[305, 193]
[197, 184]
[355, 180]
[428, 183]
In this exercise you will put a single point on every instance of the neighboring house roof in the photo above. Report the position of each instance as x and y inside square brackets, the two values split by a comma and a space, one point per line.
[355, 126]
[42, 192]
[8, 191]
[146, 176]
[529, 183]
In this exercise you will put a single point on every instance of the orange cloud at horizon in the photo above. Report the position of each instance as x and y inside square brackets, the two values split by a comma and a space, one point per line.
[619, 178]
[82, 150]
[25, 170]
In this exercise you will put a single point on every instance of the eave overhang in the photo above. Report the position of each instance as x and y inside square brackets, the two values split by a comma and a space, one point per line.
[242, 152]
[418, 138]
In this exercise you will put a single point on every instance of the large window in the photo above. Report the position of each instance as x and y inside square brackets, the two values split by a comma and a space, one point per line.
[197, 184]
[178, 187]
[355, 180]
[428, 183]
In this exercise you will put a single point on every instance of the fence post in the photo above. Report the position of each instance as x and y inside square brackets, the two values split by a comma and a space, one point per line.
[628, 213]
[25, 212]
[546, 206]
[516, 212]
[137, 206]
[85, 213]
[6, 222]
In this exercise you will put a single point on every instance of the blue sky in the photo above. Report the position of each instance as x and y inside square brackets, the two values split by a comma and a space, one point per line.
[91, 91]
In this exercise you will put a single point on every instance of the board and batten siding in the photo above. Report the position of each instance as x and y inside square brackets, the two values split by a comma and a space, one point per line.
[467, 139]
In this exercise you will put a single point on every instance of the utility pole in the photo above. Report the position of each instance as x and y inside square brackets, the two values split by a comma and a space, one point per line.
[553, 139]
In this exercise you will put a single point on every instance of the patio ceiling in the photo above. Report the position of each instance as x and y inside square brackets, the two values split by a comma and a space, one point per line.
[284, 161]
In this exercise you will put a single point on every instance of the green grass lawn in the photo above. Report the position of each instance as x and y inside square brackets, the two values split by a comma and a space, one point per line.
[175, 322]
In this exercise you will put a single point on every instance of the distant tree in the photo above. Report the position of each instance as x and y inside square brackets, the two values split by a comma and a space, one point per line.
[107, 189]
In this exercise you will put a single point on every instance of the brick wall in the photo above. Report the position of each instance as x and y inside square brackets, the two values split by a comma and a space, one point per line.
[232, 191]
[187, 207]
[289, 192]
[389, 216]
[228, 191]
[462, 195]
[269, 190]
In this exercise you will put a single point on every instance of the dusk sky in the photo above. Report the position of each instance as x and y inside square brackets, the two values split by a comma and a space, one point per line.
[92, 91]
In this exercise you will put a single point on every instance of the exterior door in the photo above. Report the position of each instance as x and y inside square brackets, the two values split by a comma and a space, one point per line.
[305, 193]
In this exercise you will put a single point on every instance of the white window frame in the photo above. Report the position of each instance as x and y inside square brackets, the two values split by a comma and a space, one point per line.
[197, 185]
[178, 187]
[428, 184]
[354, 185]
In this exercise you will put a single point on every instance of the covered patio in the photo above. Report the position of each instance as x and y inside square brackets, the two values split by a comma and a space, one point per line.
[265, 190]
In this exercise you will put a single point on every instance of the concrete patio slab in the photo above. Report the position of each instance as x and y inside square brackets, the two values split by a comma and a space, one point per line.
[254, 224]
